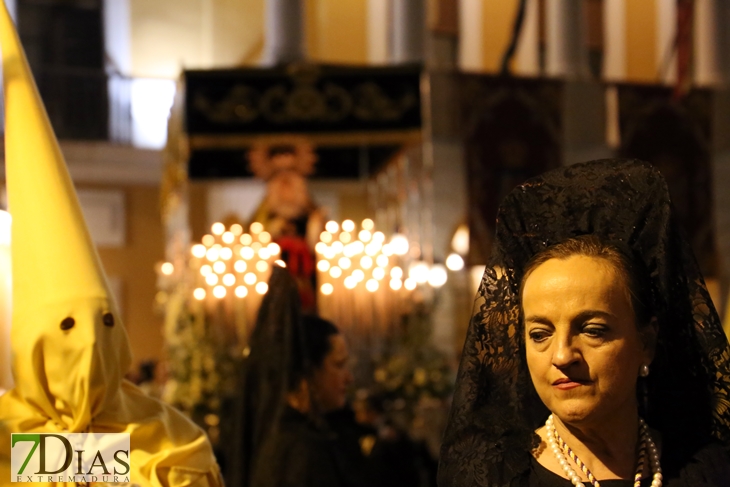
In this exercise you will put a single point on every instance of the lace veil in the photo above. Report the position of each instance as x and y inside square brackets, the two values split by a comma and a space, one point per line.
[496, 409]
[277, 356]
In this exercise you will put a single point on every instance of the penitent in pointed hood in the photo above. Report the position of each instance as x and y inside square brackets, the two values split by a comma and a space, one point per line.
[70, 349]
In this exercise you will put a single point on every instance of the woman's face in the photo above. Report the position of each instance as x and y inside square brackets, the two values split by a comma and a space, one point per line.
[332, 378]
[583, 347]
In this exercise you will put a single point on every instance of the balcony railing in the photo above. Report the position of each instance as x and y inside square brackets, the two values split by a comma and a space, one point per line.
[90, 104]
[76, 100]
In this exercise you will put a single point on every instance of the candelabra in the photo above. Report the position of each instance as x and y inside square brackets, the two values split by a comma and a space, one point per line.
[367, 285]
[232, 270]
[210, 307]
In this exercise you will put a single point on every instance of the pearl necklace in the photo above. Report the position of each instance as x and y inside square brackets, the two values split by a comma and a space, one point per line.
[561, 449]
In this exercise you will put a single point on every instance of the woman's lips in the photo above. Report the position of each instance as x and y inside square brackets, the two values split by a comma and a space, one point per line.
[567, 384]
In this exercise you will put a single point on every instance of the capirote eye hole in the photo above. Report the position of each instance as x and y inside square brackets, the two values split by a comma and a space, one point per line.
[108, 319]
[67, 323]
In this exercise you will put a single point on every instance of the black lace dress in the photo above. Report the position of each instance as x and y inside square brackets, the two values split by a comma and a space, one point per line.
[298, 454]
[495, 410]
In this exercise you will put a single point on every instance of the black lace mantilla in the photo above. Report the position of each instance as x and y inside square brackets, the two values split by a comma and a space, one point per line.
[496, 409]
[277, 352]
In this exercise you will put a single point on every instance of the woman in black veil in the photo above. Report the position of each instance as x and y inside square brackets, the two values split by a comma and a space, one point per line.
[296, 373]
[501, 431]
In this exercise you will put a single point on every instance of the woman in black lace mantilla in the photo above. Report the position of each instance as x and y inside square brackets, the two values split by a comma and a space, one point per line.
[296, 373]
[552, 378]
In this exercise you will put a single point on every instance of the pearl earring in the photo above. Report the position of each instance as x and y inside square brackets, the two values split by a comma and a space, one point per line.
[644, 370]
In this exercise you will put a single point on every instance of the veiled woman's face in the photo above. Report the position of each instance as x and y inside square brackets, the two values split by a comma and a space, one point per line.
[583, 348]
[333, 377]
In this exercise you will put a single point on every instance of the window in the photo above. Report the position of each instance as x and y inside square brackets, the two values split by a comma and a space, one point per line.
[64, 42]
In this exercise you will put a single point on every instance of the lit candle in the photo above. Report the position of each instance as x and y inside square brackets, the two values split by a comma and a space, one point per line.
[361, 285]
[229, 270]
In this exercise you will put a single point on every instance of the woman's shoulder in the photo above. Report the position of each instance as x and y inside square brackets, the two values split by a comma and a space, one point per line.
[709, 466]
[297, 453]
[298, 432]
[713, 452]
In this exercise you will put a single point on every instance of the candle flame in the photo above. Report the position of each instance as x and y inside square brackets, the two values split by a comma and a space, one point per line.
[218, 228]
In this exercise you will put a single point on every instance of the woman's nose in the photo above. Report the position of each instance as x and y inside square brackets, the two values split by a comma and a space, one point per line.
[564, 352]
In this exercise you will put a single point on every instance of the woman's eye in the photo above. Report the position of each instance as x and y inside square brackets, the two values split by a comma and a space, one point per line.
[538, 335]
[594, 331]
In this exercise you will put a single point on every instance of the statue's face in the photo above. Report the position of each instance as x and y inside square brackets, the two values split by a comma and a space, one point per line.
[583, 347]
[287, 194]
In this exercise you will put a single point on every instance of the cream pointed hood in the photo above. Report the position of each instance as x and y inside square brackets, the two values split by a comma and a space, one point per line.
[71, 374]
[70, 349]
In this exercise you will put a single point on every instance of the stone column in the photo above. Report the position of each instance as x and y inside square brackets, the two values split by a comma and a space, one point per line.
[666, 37]
[614, 64]
[408, 24]
[527, 55]
[614, 40]
[471, 39]
[378, 31]
[584, 122]
[285, 40]
[583, 104]
[711, 35]
[566, 52]
[118, 50]
[117, 35]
